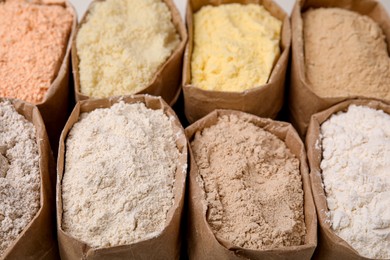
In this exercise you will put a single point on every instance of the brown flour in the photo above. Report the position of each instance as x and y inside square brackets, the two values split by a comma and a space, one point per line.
[252, 183]
[345, 54]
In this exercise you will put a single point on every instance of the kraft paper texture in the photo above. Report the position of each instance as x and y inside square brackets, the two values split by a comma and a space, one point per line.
[202, 243]
[302, 101]
[166, 245]
[265, 100]
[38, 240]
[166, 81]
[330, 246]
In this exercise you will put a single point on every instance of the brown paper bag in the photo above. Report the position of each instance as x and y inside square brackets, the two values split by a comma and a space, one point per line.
[54, 107]
[265, 100]
[166, 81]
[330, 245]
[167, 244]
[38, 240]
[303, 102]
[202, 242]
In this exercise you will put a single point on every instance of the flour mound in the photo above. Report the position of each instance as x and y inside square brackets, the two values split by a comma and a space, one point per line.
[120, 167]
[253, 185]
[345, 54]
[19, 174]
[355, 170]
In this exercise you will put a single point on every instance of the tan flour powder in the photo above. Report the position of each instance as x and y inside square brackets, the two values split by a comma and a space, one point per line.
[19, 174]
[120, 167]
[345, 54]
[252, 183]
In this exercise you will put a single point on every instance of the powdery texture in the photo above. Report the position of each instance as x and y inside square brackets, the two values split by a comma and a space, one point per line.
[33, 40]
[355, 169]
[123, 44]
[19, 174]
[119, 175]
[345, 54]
[253, 185]
[235, 47]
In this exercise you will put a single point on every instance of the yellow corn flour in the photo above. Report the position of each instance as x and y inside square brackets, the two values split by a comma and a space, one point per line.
[235, 47]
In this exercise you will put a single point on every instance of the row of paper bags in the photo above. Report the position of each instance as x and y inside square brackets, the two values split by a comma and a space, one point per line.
[187, 232]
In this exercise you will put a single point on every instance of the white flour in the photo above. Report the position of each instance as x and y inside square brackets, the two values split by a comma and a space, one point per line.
[356, 175]
[119, 175]
[19, 174]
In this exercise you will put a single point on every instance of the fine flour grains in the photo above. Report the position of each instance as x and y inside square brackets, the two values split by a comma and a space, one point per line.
[122, 45]
[19, 174]
[345, 54]
[33, 40]
[252, 183]
[355, 170]
[235, 47]
[120, 166]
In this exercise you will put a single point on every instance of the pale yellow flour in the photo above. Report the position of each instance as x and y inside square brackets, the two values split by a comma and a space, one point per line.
[123, 44]
[235, 47]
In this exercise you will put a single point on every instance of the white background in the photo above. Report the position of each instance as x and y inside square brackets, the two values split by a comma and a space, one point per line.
[81, 5]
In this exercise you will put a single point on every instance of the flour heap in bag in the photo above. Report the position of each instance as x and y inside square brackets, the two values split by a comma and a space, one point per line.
[355, 170]
[33, 41]
[235, 47]
[120, 166]
[345, 54]
[252, 183]
[123, 44]
[19, 174]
